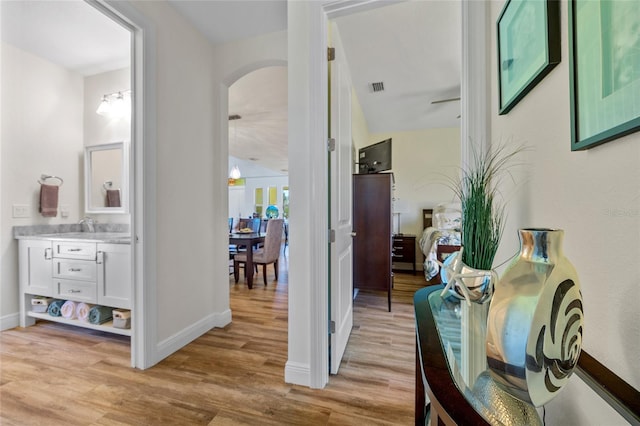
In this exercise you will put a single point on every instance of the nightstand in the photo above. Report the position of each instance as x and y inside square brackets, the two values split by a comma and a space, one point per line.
[404, 251]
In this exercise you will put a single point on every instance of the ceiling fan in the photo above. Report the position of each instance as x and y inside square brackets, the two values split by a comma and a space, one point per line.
[441, 101]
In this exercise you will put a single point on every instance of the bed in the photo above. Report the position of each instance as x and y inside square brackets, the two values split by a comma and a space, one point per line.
[440, 237]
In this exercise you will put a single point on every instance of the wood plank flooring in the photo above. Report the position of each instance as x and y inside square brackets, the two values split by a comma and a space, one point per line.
[53, 374]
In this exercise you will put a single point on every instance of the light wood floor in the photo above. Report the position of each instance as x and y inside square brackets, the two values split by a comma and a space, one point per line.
[52, 374]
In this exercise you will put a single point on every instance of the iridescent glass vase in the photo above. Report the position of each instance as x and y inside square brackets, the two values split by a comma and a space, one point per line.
[534, 328]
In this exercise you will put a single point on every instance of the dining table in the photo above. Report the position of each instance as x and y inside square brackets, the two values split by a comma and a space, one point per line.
[248, 240]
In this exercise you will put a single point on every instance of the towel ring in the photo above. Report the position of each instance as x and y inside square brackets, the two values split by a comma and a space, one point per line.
[43, 179]
[107, 185]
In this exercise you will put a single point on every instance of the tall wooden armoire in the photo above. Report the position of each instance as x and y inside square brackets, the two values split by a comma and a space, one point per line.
[372, 221]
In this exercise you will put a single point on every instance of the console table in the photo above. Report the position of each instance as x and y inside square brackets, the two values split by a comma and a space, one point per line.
[452, 402]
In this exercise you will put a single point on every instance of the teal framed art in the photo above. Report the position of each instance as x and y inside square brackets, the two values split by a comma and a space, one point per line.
[528, 47]
[604, 43]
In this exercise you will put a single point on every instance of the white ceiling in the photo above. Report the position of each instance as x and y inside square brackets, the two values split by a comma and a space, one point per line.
[71, 34]
[412, 46]
[260, 136]
[219, 20]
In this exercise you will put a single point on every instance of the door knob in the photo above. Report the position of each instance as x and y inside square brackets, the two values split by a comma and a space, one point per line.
[353, 233]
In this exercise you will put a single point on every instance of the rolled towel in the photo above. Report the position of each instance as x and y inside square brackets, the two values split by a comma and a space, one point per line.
[68, 310]
[82, 311]
[54, 308]
[100, 314]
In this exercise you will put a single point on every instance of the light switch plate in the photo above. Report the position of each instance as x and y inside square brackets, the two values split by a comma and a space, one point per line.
[21, 210]
[64, 210]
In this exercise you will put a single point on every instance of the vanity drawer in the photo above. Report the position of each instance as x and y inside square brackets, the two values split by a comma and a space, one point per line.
[73, 250]
[84, 270]
[78, 291]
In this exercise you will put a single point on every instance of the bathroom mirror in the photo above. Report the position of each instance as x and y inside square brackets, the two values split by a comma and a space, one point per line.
[106, 178]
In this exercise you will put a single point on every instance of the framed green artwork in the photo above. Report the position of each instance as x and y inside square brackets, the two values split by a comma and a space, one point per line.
[528, 47]
[604, 43]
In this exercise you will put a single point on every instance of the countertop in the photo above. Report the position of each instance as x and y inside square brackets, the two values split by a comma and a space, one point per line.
[112, 233]
[98, 237]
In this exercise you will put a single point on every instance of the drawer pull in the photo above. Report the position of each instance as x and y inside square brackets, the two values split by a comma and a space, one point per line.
[398, 248]
[75, 270]
[75, 249]
[74, 291]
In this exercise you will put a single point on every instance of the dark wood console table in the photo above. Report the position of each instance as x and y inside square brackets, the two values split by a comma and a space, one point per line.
[449, 405]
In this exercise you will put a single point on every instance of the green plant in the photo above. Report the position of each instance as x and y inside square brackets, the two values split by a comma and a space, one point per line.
[483, 210]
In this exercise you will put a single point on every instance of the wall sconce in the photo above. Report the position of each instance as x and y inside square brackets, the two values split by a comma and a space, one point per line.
[115, 105]
[235, 172]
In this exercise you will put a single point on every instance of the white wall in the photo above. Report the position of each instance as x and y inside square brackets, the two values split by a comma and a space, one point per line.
[424, 162]
[42, 111]
[594, 196]
[186, 173]
[100, 129]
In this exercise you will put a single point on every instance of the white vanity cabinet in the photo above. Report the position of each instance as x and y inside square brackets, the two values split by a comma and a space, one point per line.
[114, 275]
[82, 271]
[36, 258]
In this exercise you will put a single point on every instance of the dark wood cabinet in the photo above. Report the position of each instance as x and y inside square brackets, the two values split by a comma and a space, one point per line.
[372, 227]
[404, 252]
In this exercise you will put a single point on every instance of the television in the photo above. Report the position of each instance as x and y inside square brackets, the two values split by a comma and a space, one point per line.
[375, 158]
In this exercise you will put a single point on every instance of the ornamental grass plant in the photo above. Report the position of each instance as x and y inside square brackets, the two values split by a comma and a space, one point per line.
[483, 209]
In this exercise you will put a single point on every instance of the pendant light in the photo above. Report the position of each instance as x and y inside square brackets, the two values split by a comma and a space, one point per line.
[235, 170]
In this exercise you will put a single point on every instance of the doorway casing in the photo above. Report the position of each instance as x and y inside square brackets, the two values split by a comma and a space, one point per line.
[307, 363]
[142, 167]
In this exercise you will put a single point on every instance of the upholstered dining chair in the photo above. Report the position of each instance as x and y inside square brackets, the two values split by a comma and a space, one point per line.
[266, 255]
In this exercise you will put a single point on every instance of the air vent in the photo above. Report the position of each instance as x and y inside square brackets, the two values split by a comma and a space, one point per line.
[377, 87]
[234, 117]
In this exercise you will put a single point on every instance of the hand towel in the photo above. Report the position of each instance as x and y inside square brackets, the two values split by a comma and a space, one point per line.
[82, 311]
[54, 308]
[113, 198]
[49, 200]
[100, 314]
[68, 310]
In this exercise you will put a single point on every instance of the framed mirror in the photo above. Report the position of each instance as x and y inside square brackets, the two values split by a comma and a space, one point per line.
[106, 178]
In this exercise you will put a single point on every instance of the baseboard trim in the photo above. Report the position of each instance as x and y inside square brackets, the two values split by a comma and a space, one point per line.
[10, 321]
[297, 373]
[184, 337]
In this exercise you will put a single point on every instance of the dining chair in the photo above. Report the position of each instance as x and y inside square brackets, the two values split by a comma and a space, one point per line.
[266, 255]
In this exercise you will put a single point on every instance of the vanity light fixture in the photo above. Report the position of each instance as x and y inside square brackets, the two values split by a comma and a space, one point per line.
[115, 105]
[103, 108]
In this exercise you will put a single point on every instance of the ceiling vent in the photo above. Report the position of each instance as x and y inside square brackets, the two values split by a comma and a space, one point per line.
[234, 117]
[377, 87]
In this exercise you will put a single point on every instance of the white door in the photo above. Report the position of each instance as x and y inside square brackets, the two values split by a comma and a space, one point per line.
[340, 165]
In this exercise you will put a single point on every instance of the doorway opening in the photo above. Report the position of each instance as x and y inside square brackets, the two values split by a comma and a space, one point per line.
[72, 64]
[402, 103]
[258, 189]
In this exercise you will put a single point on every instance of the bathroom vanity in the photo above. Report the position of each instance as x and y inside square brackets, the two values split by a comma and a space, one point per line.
[90, 267]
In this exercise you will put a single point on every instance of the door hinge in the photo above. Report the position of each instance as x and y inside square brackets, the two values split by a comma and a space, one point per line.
[331, 144]
[332, 235]
[332, 327]
[331, 53]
